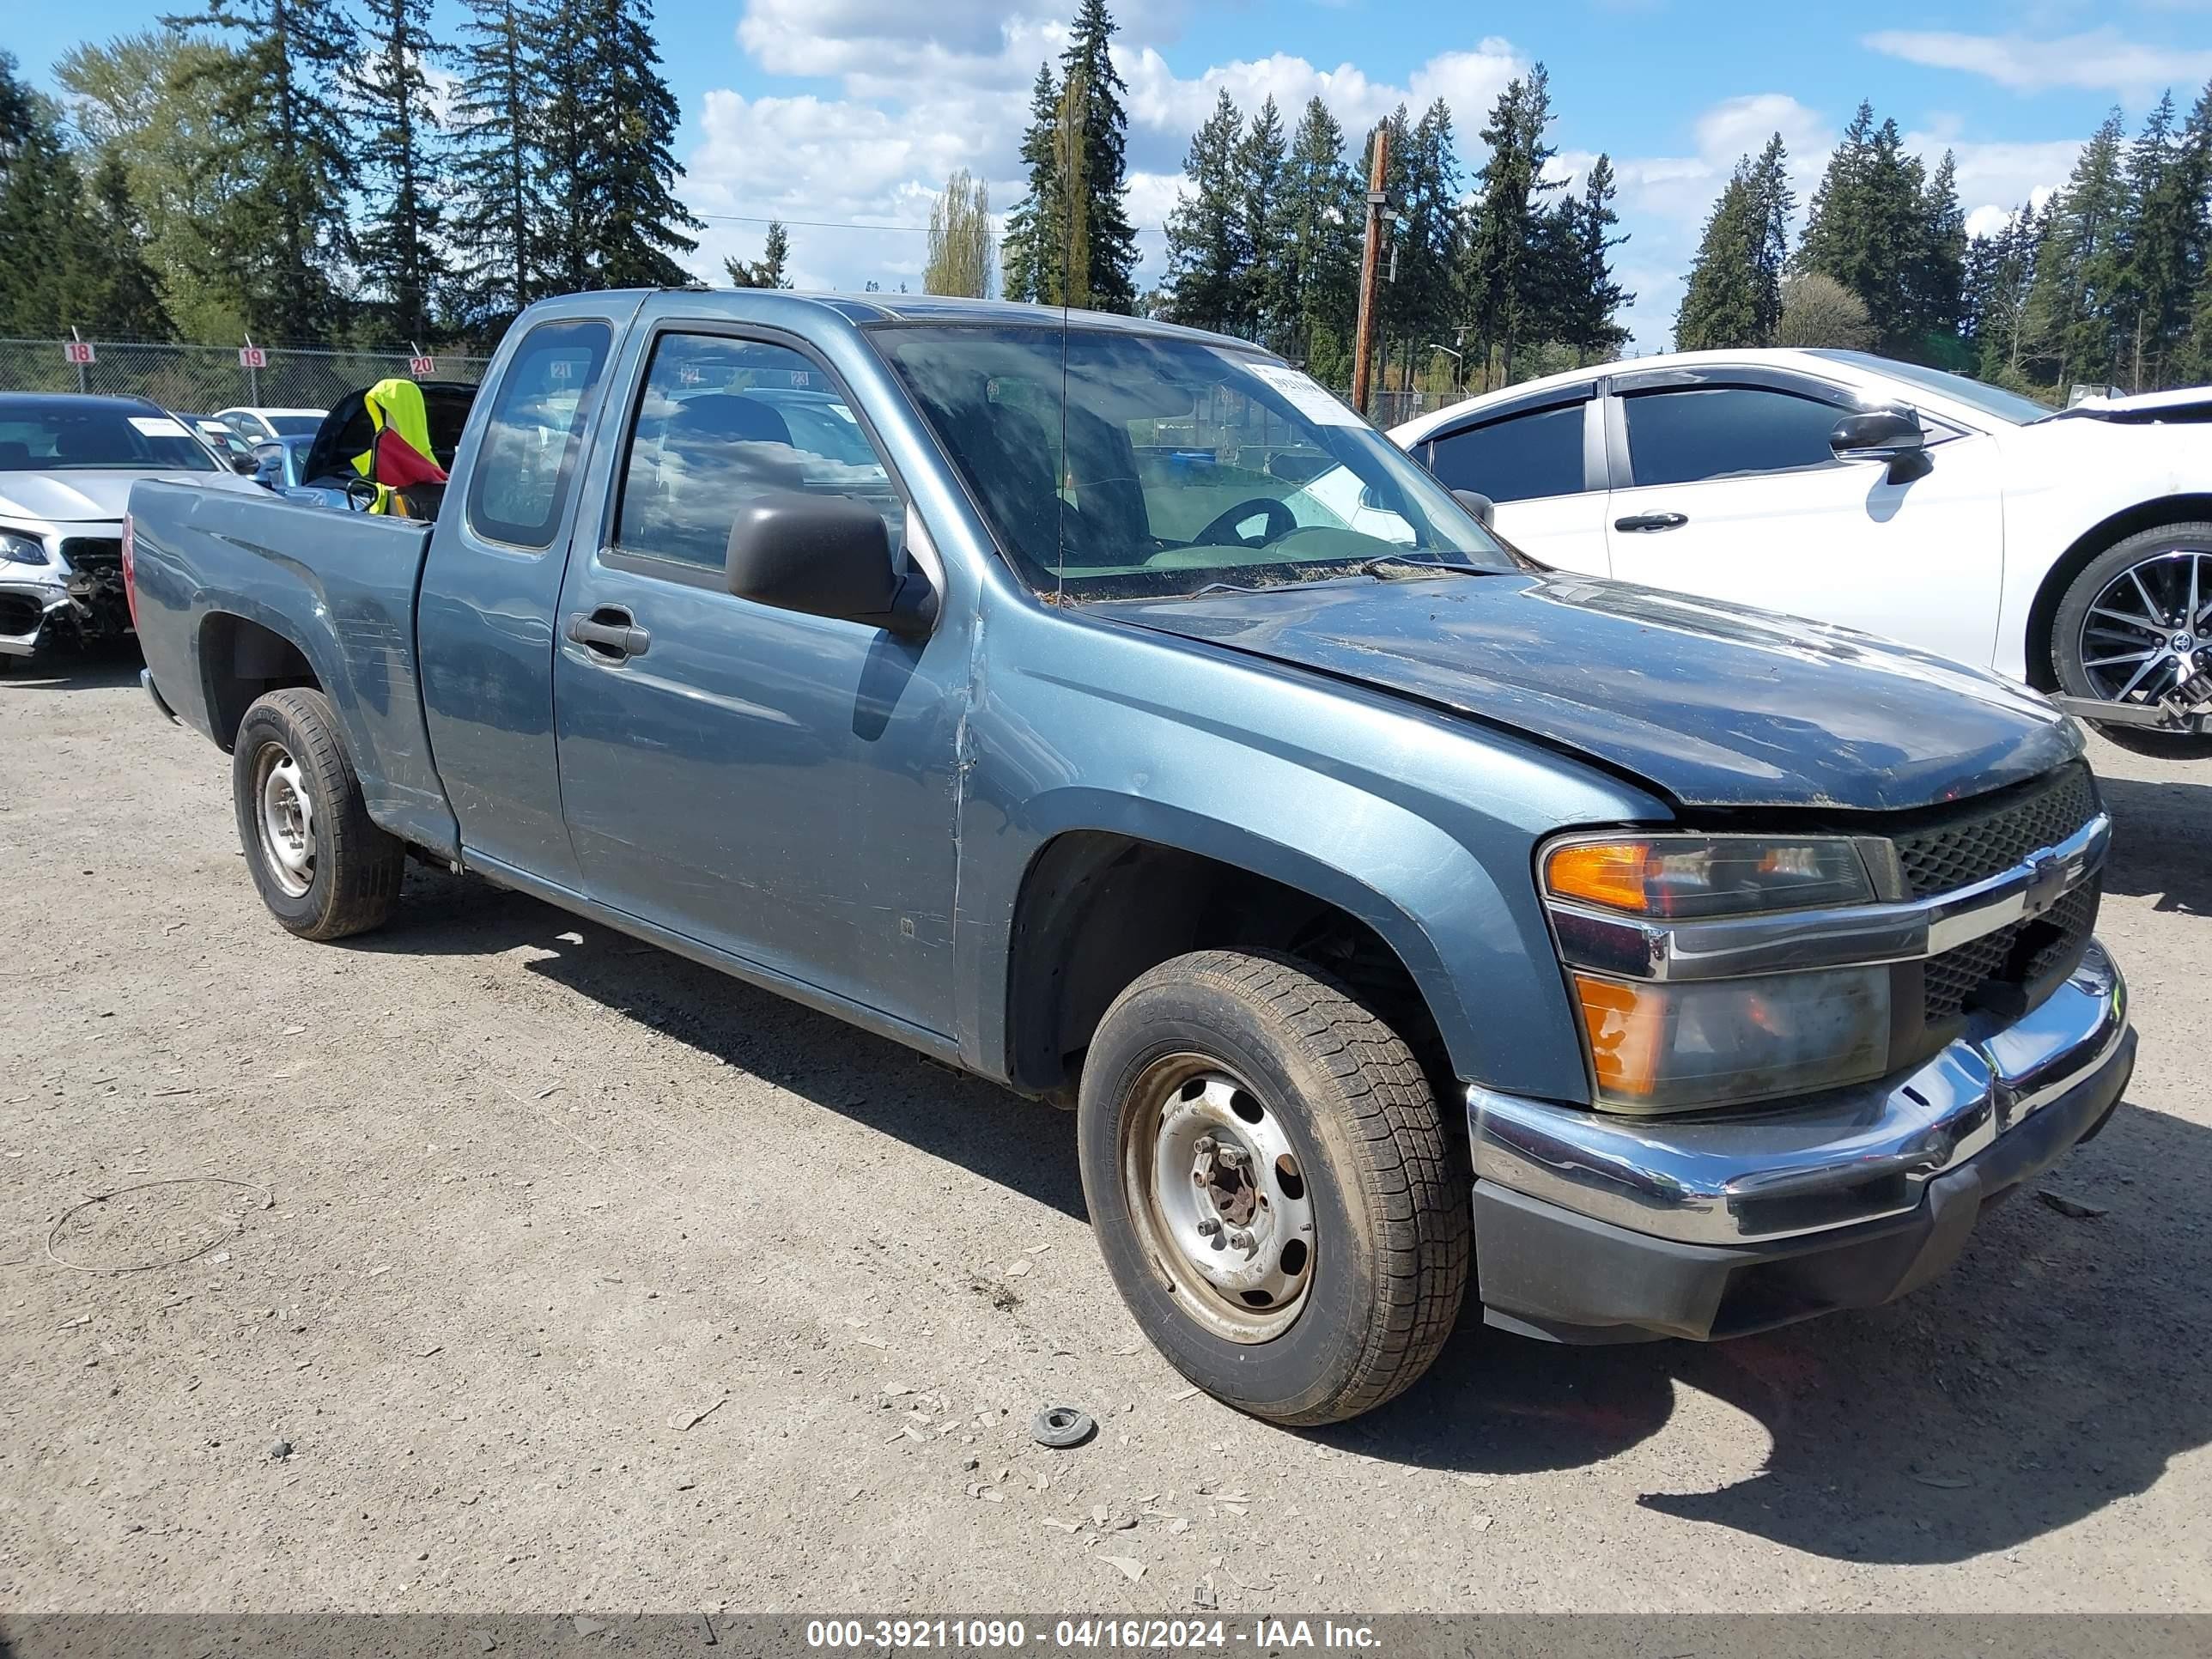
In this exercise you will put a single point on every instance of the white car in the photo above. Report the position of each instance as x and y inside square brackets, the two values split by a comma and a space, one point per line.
[258, 426]
[2072, 551]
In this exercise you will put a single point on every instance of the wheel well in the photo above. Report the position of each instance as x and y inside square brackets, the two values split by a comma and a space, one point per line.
[242, 661]
[2148, 516]
[1097, 910]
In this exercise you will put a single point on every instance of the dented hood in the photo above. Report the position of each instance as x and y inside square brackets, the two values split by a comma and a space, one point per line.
[1713, 704]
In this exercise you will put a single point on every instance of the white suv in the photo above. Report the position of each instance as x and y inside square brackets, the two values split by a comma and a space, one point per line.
[2071, 550]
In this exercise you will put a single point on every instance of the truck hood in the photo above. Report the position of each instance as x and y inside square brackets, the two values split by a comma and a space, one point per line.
[1713, 704]
[102, 494]
[2188, 404]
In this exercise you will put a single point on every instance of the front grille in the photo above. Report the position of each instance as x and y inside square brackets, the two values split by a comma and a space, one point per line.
[94, 555]
[1982, 838]
[2028, 956]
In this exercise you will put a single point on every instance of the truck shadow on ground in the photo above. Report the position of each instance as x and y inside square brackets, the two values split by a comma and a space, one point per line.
[2161, 841]
[108, 663]
[2056, 1370]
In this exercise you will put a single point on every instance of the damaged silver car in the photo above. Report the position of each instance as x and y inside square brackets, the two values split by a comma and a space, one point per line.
[67, 463]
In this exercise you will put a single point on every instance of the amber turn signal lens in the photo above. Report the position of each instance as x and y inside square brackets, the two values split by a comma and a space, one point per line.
[1609, 873]
[1625, 1029]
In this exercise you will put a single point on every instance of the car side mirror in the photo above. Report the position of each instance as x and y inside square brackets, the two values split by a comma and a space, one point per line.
[245, 465]
[1893, 435]
[1485, 509]
[826, 555]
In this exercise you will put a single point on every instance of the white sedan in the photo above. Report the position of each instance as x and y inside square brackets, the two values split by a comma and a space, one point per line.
[2072, 551]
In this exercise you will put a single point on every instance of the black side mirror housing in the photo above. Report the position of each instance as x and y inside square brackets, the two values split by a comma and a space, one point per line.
[246, 466]
[1893, 435]
[1485, 509]
[826, 555]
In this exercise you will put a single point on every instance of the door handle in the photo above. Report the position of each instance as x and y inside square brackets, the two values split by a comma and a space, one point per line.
[1648, 521]
[608, 632]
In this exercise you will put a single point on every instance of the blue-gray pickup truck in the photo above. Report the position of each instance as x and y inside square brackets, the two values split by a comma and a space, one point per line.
[1101, 708]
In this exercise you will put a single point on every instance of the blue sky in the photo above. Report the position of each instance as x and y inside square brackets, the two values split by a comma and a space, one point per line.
[854, 111]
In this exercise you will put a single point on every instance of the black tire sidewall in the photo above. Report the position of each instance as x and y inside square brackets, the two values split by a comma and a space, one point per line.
[268, 721]
[2074, 606]
[1295, 1375]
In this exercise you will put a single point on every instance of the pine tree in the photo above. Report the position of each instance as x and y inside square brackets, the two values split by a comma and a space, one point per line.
[402, 170]
[119, 293]
[282, 96]
[2193, 360]
[568, 74]
[40, 210]
[2073, 319]
[1938, 271]
[1500, 280]
[1209, 254]
[1424, 297]
[1029, 255]
[1776, 204]
[768, 270]
[1584, 316]
[1102, 211]
[2164, 199]
[637, 223]
[1262, 166]
[1867, 228]
[498, 163]
[1723, 300]
[1321, 215]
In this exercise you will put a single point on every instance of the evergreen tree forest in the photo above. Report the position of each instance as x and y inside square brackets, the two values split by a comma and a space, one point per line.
[327, 172]
[2107, 281]
[1485, 276]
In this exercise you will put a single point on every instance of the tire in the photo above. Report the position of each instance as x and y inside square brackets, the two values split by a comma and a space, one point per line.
[349, 880]
[2160, 548]
[1255, 1053]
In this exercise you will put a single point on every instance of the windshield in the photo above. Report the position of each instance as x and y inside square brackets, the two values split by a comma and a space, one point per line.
[1175, 464]
[295, 425]
[1993, 400]
[86, 435]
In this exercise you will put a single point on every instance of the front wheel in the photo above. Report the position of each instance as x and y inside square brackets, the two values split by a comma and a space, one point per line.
[323, 868]
[2134, 624]
[1272, 1185]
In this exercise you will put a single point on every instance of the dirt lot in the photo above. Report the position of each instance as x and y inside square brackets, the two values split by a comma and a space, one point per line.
[527, 1199]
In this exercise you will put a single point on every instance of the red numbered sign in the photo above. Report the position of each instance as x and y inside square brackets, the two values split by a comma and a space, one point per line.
[252, 357]
[420, 366]
[79, 352]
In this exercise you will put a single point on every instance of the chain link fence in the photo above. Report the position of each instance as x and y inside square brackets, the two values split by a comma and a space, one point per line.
[201, 380]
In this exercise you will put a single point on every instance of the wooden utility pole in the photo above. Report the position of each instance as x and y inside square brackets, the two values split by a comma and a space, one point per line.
[1364, 338]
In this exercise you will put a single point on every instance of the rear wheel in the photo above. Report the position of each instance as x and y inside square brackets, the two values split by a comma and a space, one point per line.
[323, 867]
[2136, 622]
[1272, 1184]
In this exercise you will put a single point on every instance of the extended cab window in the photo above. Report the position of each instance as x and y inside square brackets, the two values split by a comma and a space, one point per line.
[1688, 433]
[520, 483]
[723, 421]
[1517, 458]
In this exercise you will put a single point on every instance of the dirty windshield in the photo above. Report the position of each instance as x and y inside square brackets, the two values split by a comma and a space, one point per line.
[1175, 464]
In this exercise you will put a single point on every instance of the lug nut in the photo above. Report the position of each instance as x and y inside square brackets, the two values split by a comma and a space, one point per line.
[1208, 1227]
[1206, 1145]
[1240, 1240]
[1229, 1158]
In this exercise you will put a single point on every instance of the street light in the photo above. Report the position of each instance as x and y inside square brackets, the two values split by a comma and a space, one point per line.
[1459, 362]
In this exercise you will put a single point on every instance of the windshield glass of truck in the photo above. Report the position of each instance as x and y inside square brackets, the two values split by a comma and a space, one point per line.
[72, 436]
[1171, 464]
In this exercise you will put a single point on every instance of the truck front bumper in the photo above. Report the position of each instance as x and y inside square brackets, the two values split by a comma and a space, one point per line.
[1592, 1227]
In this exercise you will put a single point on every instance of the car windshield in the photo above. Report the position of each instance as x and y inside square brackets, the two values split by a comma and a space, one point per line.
[1115, 464]
[295, 425]
[77, 436]
[1993, 400]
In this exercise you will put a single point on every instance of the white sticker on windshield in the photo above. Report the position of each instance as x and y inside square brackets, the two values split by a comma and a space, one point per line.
[159, 426]
[1306, 394]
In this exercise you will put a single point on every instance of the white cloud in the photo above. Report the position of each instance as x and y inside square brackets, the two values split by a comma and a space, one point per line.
[2101, 60]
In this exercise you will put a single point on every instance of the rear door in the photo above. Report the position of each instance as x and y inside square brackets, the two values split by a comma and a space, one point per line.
[1541, 461]
[779, 787]
[1725, 485]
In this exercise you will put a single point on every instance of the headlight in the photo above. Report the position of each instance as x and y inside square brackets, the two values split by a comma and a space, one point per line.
[1658, 1047]
[19, 549]
[1685, 878]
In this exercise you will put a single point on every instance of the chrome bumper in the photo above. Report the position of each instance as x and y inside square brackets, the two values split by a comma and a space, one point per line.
[1841, 1159]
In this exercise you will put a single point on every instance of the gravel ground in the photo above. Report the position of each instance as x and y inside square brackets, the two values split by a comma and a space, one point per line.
[576, 1276]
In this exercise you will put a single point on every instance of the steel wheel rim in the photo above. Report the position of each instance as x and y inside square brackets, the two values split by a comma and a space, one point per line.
[287, 819]
[2146, 630]
[1219, 1197]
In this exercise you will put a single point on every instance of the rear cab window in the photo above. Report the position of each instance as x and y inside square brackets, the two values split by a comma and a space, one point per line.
[519, 485]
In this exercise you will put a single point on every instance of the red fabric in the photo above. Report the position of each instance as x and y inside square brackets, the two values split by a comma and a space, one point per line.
[399, 463]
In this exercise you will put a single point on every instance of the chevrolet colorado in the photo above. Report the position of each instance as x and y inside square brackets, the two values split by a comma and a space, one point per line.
[1403, 919]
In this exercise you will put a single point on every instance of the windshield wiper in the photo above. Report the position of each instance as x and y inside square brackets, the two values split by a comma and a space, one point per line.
[1421, 562]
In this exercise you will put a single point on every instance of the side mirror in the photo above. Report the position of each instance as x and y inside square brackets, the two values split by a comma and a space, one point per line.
[826, 555]
[245, 465]
[1893, 434]
[1485, 509]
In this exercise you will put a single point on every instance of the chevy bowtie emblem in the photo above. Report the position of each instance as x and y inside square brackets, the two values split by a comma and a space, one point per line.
[2046, 884]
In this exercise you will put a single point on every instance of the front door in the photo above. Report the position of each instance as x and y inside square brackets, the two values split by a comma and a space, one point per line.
[1732, 491]
[780, 786]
